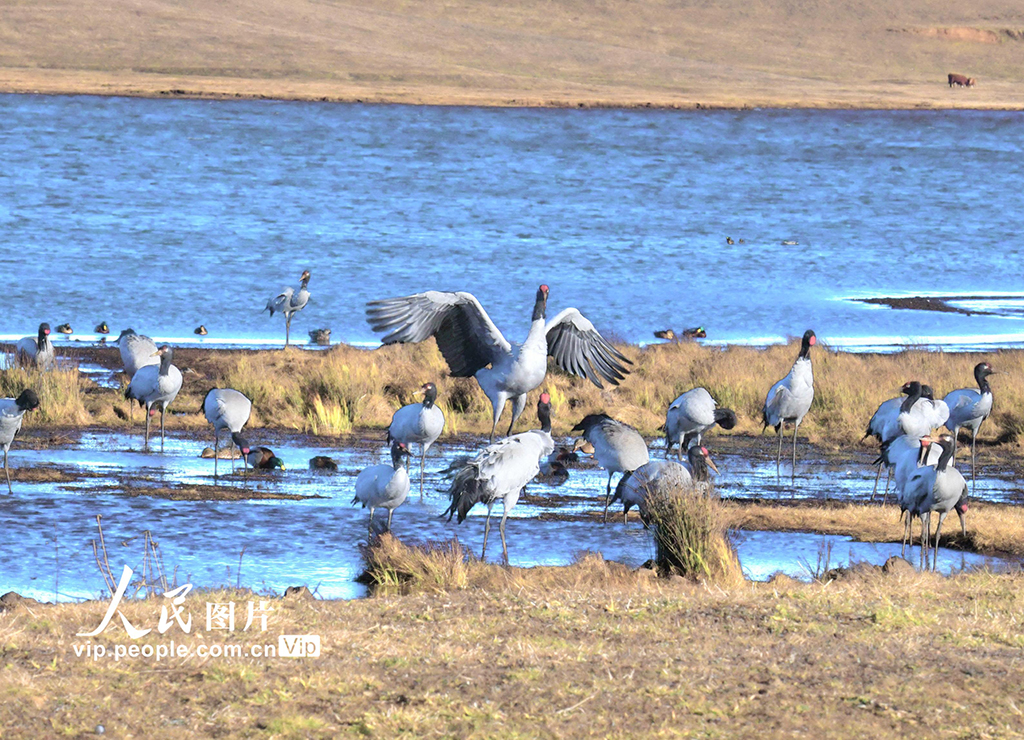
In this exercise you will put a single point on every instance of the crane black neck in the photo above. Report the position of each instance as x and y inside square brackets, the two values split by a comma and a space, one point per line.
[912, 397]
[805, 345]
[698, 465]
[397, 456]
[165, 362]
[544, 414]
[540, 306]
[44, 335]
[947, 453]
[982, 378]
[429, 396]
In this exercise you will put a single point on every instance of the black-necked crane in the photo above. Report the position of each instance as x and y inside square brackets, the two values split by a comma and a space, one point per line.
[884, 416]
[35, 351]
[12, 411]
[500, 472]
[419, 423]
[473, 346]
[384, 486]
[662, 477]
[155, 385]
[618, 448]
[289, 302]
[941, 489]
[968, 408]
[692, 414]
[228, 410]
[137, 351]
[789, 400]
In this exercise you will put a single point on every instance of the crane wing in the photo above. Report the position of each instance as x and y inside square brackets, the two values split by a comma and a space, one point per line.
[465, 334]
[579, 348]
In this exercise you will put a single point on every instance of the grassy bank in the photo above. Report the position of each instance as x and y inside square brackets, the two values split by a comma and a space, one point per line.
[728, 53]
[335, 392]
[590, 650]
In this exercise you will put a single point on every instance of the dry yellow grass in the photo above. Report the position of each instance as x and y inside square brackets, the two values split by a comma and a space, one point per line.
[565, 52]
[991, 528]
[575, 652]
[362, 388]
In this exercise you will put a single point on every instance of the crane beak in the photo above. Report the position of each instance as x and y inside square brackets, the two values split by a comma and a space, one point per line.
[711, 464]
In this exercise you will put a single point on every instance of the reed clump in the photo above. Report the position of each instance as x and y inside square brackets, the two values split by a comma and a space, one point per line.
[434, 567]
[690, 537]
[61, 393]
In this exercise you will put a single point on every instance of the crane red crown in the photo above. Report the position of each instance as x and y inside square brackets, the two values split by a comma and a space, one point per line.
[545, 398]
[544, 288]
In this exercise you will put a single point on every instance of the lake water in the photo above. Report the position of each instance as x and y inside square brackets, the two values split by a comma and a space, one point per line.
[164, 215]
[46, 529]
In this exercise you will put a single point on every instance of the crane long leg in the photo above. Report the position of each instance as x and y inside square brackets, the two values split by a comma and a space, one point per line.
[938, 528]
[778, 458]
[370, 523]
[906, 535]
[423, 464]
[925, 527]
[888, 478]
[8, 472]
[793, 472]
[501, 531]
[607, 498]
[974, 439]
[878, 474]
[487, 529]
[216, 449]
[390, 512]
[287, 330]
[162, 409]
[147, 428]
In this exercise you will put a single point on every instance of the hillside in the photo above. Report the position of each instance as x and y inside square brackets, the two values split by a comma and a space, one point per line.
[537, 52]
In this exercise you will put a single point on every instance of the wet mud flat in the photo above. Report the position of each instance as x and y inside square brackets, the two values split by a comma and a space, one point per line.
[269, 530]
[971, 305]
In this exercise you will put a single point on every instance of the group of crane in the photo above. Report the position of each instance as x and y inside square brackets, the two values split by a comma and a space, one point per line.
[472, 345]
[923, 472]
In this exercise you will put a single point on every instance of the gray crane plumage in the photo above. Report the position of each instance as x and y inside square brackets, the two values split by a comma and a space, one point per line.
[473, 346]
[500, 472]
[419, 423]
[618, 447]
[692, 414]
[156, 385]
[35, 351]
[227, 410]
[940, 489]
[969, 408]
[789, 400]
[662, 478]
[12, 411]
[289, 302]
[384, 486]
[137, 350]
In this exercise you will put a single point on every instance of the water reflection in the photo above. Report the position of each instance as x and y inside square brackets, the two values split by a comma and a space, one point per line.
[47, 529]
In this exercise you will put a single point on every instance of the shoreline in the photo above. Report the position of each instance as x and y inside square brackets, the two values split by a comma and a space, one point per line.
[486, 100]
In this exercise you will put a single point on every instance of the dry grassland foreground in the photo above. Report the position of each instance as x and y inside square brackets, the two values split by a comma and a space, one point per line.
[588, 650]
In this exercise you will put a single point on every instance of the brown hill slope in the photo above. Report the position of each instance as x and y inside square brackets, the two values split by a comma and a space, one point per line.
[537, 52]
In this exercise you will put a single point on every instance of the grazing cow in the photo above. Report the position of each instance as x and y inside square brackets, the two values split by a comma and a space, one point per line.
[960, 80]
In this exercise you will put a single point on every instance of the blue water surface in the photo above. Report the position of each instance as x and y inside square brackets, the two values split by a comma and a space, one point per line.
[164, 215]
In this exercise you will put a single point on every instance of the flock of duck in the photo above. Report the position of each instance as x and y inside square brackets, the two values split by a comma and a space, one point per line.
[922, 467]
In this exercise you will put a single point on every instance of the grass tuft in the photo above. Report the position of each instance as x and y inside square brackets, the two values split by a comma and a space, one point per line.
[434, 567]
[690, 538]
